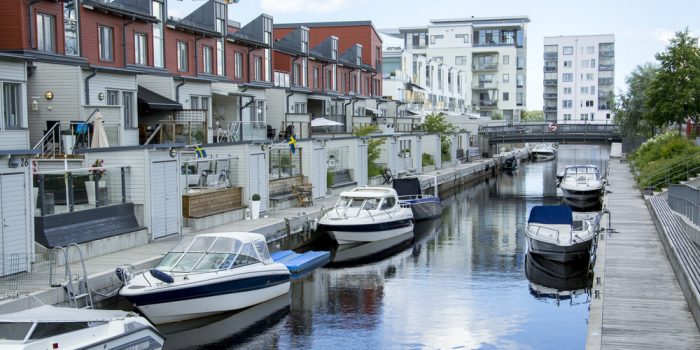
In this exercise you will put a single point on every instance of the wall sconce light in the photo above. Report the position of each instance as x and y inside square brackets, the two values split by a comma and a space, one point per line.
[101, 96]
[49, 95]
[35, 103]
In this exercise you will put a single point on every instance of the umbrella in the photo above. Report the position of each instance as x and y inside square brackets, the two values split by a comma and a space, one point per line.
[99, 136]
[324, 122]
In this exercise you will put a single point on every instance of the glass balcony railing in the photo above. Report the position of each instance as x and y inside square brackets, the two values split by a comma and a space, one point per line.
[606, 81]
[484, 66]
[550, 108]
[551, 54]
[607, 53]
[485, 85]
[606, 67]
[549, 69]
[550, 95]
[550, 82]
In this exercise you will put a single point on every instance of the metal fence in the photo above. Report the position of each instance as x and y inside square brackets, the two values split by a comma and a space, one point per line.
[27, 273]
[685, 200]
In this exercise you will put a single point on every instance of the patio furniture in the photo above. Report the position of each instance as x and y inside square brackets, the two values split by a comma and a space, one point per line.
[388, 176]
[304, 194]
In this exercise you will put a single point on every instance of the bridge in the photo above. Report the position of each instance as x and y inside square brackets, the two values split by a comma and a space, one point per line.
[548, 132]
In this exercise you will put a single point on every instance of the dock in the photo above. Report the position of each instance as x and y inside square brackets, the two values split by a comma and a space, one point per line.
[637, 302]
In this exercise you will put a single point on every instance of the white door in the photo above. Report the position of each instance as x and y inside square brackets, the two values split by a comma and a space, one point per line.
[361, 166]
[165, 213]
[14, 228]
[258, 179]
[319, 170]
[393, 157]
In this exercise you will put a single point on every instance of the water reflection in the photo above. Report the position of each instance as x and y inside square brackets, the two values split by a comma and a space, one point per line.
[558, 281]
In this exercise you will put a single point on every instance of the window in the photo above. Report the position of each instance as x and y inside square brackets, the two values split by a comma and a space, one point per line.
[304, 40]
[11, 105]
[520, 61]
[140, 55]
[519, 98]
[434, 38]
[106, 43]
[590, 50]
[199, 102]
[258, 111]
[220, 57]
[464, 37]
[304, 72]
[506, 59]
[45, 33]
[568, 50]
[520, 80]
[584, 90]
[584, 116]
[358, 56]
[70, 28]
[566, 103]
[567, 64]
[258, 68]
[593, 90]
[567, 77]
[284, 163]
[585, 63]
[157, 11]
[506, 96]
[129, 113]
[296, 68]
[267, 29]
[206, 59]
[112, 97]
[589, 103]
[316, 84]
[589, 77]
[334, 48]
[567, 116]
[460, 60]
[299, 107]
[593, 63]
[238, 65]
[182, 64]
[506, 77]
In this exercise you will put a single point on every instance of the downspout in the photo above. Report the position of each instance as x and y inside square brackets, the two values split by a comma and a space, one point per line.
[87, 86]
[196, 63]
[177, 90]
[126, 24]
[31, 23]
[345, 109]
[371, 87]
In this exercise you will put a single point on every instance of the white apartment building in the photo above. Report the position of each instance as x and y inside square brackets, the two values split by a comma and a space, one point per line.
[471, 65]
[579, 78]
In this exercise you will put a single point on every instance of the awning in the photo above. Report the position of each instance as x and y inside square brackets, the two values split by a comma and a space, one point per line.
[318, 97]
[412, 112]
[225, 89]
[373, 111]
[157, 102]
[411, 86]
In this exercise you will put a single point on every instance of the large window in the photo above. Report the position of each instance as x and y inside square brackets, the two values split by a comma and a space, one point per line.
[207, 58]
[334, 48]
[11, 105]
[220, 57]
[157, 11]
[182, 64]
[304, 72]
[267, 28]
[316, 77]
[70, 28]
[221, 29]
[129, 113]
[304, 40]
[106, 43]
[568, 50]
[45, 33]
[258, 68]
[199, 102]
[140, 49]
[238, 63]
[284, 163]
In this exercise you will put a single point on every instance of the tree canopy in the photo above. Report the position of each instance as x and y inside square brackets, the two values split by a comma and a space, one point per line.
[437, 122]
[630, 109]
[374, 149]
[532, 116]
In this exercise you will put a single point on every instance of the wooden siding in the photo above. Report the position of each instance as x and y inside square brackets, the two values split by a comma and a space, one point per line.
[13, 71]
[102, 82]
[14, 139]
[211, 202]
[90, 22]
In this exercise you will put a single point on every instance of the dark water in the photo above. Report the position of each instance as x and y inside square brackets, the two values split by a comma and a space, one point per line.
[464, 281]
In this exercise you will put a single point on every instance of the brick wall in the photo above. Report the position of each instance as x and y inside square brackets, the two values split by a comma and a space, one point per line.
[89, 37]
[231, 49]
[172, 37]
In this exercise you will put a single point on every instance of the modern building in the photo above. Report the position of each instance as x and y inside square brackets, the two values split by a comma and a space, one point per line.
[579, 78]
[470, 65]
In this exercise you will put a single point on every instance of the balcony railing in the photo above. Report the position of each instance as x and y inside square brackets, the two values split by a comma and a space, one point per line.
[604, 94]
[549, 95]
[485, 85]
[243, 131]
[493, 44]
[66, 137]
[606, 67]
[487, 104]
[550, 108]
[606, 81]
[550, 82]
[551, 54]
[549, 69]
[485, 66]
[607, 53]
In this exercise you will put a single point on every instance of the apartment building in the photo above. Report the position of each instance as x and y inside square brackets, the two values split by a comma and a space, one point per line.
[470, 65]
[579, 78]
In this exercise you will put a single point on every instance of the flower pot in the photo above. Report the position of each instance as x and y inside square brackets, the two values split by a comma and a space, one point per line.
[68, 143]
[255, 209]
[90, 189]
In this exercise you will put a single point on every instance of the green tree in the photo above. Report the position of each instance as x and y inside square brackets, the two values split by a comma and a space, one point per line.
[630, 108]
[497, 116]
[437, 123]
[674, 93]
[374, 148]
[532, 116]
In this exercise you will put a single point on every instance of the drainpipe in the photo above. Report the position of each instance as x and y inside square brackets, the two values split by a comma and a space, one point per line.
[177, 90]
[31, 23]
[87, 86]
[196, 63]
[345, 110]
[126, 24]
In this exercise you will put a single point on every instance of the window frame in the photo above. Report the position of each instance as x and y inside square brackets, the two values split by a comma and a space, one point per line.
[106, 50]
[140, 49]
[182, 56]
[41, 30]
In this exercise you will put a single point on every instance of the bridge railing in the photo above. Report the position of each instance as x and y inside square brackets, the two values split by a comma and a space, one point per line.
[546, 129]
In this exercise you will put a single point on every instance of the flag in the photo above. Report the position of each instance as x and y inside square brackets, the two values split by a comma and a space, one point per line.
[292, 142]
[200, 152]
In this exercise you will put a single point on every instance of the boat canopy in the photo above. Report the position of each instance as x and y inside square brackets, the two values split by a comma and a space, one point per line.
[50, 314]
[407, 186]
[369, 192]
[551, 214]
[581, 169]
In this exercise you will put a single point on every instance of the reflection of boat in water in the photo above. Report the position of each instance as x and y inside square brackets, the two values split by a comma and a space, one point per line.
[557, 233]
[583, 205]
[555, 280]
[225, 329]
[363, 253]
[410, 191]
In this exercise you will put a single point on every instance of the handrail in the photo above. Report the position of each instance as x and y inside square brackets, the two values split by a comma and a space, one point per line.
[153, 134]
[684, 168]
[49, 133]
[74, 170]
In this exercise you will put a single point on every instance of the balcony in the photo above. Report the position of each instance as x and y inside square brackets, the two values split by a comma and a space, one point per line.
[607, 53]
[550, 108]
[482, 67]
[63, 138]
[605, 94]
[550, 82]
[551, 55]
[606, 81]
[486, 104]
[550, 95]
[485, 85]
[243, 131]
[606, 67]
[493, 44]
[550, 69]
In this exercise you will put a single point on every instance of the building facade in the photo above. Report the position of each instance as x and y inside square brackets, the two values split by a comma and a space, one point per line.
[579, 78]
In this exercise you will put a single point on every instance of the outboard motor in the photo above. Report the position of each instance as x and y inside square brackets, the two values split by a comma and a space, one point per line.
[123, 273]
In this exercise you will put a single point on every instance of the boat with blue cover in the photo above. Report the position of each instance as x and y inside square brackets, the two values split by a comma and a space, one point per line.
[204, 275]
[410, 191]
[559, 234]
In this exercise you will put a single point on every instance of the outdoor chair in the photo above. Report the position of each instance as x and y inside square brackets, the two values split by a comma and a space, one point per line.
[388, 176]
[303, 194]
[222, 171]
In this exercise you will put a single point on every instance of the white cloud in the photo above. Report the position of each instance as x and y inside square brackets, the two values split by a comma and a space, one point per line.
[314, 6]
[659, 35]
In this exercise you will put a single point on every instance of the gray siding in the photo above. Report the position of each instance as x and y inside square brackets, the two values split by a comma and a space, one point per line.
[136, 190]
[105, 81]
[161, 85]
[276, 106]
[15, 71]
[14, 139]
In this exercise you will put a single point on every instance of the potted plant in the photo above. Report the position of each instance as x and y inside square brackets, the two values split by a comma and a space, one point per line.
[97, 170]
[255, 206]
[68, 139]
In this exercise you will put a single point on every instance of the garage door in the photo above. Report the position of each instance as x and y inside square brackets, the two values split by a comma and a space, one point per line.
[258, 179]
[165, 209]
[14, 229]
[319, 171]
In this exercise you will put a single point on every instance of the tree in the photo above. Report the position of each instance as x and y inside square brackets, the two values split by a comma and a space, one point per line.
[374, 149]
[497, 116]
[674, 93]
[437, 123]
[630, 107]
[532, 116]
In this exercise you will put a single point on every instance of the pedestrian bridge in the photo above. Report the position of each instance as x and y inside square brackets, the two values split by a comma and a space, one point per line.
[549, 132]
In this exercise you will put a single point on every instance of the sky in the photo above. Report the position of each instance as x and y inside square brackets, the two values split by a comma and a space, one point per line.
[641, 28]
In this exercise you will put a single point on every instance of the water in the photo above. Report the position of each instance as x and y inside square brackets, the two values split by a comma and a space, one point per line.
[461, 283]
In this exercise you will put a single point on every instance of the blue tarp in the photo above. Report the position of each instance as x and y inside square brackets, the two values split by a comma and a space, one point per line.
[551, 214]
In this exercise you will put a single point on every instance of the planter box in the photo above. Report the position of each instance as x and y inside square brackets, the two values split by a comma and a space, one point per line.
[210, 202]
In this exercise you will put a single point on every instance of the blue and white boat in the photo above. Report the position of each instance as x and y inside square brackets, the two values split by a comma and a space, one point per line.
[410, 192]
[558, 234]
[582, 183]
[204, 275]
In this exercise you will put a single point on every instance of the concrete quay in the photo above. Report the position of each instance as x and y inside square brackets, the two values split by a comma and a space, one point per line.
[284, 229]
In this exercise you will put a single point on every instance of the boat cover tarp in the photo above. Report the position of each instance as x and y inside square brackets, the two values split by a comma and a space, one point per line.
[407, 186]
[48, 313]
[551, 214]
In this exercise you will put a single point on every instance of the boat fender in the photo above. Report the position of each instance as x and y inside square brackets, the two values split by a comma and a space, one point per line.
[123, 273]
[160, 275]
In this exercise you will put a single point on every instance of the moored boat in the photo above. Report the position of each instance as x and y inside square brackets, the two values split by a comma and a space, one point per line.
[424, 206]
[556, 233]
[581, 183]
[543, 151]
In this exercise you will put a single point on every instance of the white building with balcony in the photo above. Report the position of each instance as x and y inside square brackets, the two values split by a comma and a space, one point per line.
[579, 78]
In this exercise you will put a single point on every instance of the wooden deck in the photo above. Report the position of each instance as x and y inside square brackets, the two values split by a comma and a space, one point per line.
[641, 305]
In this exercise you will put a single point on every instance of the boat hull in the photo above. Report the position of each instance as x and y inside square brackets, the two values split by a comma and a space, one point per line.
[559, 253]
[581, 195]
[349, 233]
[424, 208]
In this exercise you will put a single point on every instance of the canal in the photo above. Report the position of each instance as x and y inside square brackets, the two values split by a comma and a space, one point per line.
[464, 281]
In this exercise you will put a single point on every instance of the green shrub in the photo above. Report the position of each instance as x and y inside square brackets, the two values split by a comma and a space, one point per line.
[256, 197]
[428, 159]
[665, 157]
[329, 178]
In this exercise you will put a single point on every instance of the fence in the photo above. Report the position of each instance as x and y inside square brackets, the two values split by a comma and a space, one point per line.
[42, 276]
[685, 200]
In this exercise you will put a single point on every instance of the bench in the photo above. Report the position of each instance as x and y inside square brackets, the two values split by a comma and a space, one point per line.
[682, 252]
[342, 178]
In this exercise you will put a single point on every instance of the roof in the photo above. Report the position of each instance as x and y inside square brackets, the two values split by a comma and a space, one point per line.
[48, 313]
[472, 19]
[551, 214]
[328, 24]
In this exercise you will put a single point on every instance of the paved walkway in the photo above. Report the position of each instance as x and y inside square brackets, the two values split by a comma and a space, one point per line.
[641, 305]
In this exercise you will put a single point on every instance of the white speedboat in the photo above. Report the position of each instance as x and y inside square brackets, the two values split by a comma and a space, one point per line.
[367, 214]
[49, 327]
[410, 192]
[207, 274]
[558, 234]
[581, 182]
[543, 151]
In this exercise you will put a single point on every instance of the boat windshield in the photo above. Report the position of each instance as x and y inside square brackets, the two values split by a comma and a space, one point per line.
[211, 253]
[14, 330]
[349, 202]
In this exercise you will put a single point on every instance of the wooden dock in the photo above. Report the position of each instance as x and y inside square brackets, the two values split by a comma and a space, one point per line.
[640, 303]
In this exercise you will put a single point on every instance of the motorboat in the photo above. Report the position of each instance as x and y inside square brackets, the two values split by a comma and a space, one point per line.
[50, 327]
[554, 280]
[581, 182]
[543, 151]
[367, 214]
[204, 275]
[424, 206]
[510, 163]
[559, 234]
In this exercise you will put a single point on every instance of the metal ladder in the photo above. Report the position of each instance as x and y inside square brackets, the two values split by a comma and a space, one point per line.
[76, 288]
